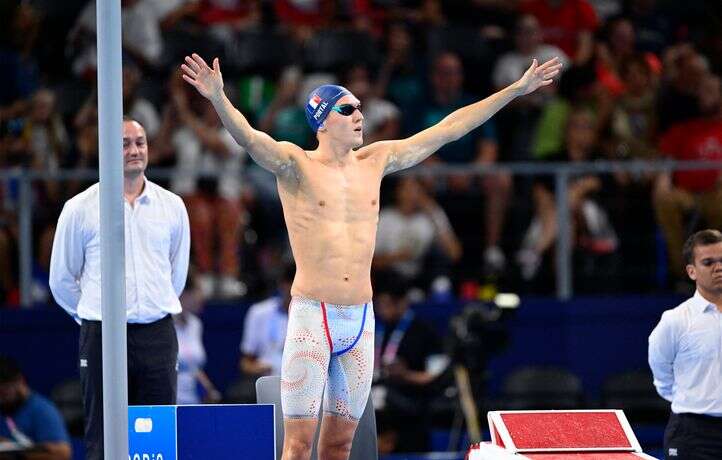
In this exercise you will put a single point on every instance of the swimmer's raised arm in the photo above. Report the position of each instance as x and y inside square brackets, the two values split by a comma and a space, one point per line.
[408, 152]
[267, 152]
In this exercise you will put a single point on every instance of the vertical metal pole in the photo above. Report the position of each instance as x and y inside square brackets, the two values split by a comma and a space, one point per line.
[112, 236]
[564, 236]
[25, 243]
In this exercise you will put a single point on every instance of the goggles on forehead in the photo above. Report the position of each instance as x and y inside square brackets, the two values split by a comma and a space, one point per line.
[346, 109]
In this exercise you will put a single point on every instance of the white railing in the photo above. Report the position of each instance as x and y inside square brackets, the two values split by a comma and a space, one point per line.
[561, 172]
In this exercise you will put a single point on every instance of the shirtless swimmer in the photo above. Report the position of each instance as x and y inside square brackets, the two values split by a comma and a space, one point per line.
[330, 199]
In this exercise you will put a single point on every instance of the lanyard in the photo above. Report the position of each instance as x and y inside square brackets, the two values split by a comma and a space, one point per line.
[392, 346]
[18, 435]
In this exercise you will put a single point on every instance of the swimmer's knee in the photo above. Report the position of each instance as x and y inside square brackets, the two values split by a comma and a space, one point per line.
[297, 446]
[335, 448]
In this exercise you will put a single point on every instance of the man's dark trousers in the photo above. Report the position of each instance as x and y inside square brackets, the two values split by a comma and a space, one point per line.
[693, 437]
[152, 372]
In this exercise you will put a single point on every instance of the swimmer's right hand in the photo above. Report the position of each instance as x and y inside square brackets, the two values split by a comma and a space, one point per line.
[208, 82]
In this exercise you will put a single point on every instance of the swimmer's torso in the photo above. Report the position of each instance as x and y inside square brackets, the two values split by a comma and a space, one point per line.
[332, 213]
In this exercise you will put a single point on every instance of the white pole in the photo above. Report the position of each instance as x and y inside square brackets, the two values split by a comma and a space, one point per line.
[112, 237]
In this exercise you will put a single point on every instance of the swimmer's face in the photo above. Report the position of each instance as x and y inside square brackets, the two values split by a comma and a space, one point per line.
[135, 148]
[346, 128]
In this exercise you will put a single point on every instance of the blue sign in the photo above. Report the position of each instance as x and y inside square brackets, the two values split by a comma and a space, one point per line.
[151, 433]
[206, 432]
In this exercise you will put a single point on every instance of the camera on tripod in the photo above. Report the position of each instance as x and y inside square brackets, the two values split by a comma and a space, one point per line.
[480, 330]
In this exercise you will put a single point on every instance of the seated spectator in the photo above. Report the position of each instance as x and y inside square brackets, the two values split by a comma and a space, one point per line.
[633, 122]
[20, 24]
[284, 117]
[405, 368]
[591, 232]
[567, 24]
[620, 45]
[492, 18]
[462, 192]
[225, 17]
[528, 46]
[415, 240]
[264, 331]
[678, 194]
[29, 419]
[517, 122]
[215, 209]
[191, 352]
[381, 117]
[136, 106]
[142, 38]
[398, 79]
[304, 18]
[684, 71]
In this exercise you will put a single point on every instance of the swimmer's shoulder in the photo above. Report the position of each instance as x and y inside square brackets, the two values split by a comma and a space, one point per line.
[376, 153]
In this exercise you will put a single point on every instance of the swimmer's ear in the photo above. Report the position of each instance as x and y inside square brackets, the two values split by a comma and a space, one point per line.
[322, 127]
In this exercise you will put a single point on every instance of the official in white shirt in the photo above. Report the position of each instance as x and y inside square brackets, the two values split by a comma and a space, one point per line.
[685, 351]
[157, 244]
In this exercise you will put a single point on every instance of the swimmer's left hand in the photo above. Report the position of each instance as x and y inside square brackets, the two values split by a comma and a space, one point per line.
[537, 76]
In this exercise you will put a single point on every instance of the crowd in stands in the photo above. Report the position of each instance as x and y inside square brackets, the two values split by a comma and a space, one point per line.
[640, 81]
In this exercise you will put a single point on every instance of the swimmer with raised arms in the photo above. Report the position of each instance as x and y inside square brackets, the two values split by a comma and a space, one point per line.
[330, 199]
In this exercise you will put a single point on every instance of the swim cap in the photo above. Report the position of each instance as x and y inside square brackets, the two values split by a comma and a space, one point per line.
[320, 101]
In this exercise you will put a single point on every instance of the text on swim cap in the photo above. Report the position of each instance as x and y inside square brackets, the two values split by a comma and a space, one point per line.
[320, 110]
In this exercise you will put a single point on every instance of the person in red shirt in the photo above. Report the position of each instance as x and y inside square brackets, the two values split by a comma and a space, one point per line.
[677, 194]
[568, 24]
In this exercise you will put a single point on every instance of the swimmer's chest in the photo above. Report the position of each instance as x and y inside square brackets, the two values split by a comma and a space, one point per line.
[351, 192]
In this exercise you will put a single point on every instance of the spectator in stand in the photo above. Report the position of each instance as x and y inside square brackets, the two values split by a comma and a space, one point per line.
[191, 352]
[19, 26]
[567, 24]
[29, 419]
[528, 45]
[136, 106]
[398, 79]
[415, 240]
[620, 45]
[684, 71]
[420, 13]
[142, 38]
[225, 17]
[408, 360]
[675, 195]
[492, 18]
[653, 25]
[517, 123]
[480, 148]
[203, 146]
[381, 117]
[592, 231]
[633, 122]
[284, 117]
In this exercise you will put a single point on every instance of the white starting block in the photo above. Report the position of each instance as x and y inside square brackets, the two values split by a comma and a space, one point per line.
[559, 435]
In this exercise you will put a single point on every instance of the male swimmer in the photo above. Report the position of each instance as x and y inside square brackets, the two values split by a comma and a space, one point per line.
[330, 199]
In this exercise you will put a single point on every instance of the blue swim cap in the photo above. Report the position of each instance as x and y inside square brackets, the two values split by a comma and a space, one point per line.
[320, 101]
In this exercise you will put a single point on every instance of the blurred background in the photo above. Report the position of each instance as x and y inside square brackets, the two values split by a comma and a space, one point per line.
[566, 199]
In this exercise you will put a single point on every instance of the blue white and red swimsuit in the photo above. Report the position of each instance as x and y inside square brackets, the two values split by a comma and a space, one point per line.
[328, 347]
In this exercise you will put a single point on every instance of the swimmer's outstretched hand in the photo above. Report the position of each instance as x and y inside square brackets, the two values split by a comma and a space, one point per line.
[538, 75]
[208, 82]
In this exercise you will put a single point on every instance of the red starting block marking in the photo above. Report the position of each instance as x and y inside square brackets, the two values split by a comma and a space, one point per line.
[588, 456]
[563, 431]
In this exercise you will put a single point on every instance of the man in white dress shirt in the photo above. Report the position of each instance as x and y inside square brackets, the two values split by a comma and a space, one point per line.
[157, 244]
[685, 354]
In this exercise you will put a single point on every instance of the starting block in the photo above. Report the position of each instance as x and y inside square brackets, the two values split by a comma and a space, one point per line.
[559, 435]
